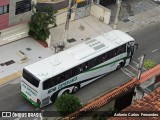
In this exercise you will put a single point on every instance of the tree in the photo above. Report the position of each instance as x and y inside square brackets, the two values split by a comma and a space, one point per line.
[148, 64]
[67, 104]
[39, 24]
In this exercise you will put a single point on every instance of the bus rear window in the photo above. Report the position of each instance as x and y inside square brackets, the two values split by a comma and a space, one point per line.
[30, 78]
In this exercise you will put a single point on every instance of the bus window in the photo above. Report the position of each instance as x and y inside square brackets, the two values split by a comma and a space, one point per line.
[60, 78]
[68, 74]
[111, 54]
[121, 49]
[48, 83]
[30, 78]
[93, 62]
[104, 57]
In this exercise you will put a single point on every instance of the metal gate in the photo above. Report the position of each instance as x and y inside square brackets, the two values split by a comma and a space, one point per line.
[83, 9]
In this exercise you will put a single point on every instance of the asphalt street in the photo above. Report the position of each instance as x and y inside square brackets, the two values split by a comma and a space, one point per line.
[148, 39]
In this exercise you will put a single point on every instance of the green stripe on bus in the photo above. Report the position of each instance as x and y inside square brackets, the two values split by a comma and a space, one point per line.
[31, 101]
[106, 64]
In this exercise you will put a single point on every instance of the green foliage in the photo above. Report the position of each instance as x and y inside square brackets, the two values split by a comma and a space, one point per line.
[67, 104]
[148, 64]
[38, 26]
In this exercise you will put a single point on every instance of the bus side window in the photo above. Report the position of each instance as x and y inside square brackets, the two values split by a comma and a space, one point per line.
[74, 71]
[104, 57]
[48, 83]
[59, 78]
[111, 54]
[121, 49]
[100, 59]
[93, 62]
[85, 66]
[52, 82]
[68, 74]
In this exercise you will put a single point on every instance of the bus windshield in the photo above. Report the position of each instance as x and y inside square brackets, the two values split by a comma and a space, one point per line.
[30, 78]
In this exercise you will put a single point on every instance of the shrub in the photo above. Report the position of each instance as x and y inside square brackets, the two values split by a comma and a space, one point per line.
[148, 64]
[67, 104]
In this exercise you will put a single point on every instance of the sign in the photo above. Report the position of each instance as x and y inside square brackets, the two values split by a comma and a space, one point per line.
[20, 114]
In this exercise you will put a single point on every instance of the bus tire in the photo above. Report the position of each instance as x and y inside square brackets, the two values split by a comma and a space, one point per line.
[75, 89]
[120, 65]
[53, 98]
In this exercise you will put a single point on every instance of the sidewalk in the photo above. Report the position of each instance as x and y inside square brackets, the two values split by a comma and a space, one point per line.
[10, 66]
[140, 20]
[135, 14]
[92, 28]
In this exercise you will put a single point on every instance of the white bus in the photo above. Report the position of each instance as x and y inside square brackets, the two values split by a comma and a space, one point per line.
[67, 71]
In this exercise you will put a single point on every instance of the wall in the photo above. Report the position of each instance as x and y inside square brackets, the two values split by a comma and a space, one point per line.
[99, 11]
[4, 2]
[17, 27]
[16, 19]
[4, 18]
[61, 17]
[14, 33]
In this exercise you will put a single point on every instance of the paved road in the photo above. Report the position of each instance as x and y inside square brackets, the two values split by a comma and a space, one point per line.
[149, 42]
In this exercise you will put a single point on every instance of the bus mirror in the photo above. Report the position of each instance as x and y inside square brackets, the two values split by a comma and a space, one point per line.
[136, 46]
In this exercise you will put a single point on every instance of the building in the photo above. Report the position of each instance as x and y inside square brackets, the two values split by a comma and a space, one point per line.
[147, 108]
[126, 95]
[14, 14]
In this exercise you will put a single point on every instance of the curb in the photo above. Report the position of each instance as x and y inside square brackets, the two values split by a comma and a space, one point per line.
[10, 77]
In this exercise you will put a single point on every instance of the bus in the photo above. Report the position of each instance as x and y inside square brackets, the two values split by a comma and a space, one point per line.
[69, 70]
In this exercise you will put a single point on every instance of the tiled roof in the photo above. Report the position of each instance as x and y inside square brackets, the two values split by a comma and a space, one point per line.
[149, 103]
[150, 73]
[125, 88]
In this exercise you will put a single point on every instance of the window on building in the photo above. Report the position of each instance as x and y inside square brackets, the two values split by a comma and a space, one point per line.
[4, 9]
[23, 6]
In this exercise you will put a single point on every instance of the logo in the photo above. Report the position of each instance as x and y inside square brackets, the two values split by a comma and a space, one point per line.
[68, 82]
[6, 114]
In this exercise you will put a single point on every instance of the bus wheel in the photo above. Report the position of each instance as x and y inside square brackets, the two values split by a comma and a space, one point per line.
[53, 98]
[75, 89]
[120, 65]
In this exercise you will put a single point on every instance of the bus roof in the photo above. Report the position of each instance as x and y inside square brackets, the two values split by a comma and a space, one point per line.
[78, 54]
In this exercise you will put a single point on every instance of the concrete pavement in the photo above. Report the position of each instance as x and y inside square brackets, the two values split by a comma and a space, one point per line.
[10, 66]
[10, 59]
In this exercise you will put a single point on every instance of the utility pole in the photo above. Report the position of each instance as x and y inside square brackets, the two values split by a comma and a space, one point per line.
[140, 66]
[117, 13]
[67, 23]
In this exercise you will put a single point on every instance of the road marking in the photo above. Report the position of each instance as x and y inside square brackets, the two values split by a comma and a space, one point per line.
[10, 77]
[135, 62]
[137, 65]
[128, 72]
[154, 50]
[133, 67]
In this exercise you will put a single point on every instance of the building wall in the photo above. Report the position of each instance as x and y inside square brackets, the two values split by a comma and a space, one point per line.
[4, 2]
[20, 18]
[15, 26]
[101, 13]
[4, 18]
[4, 21]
